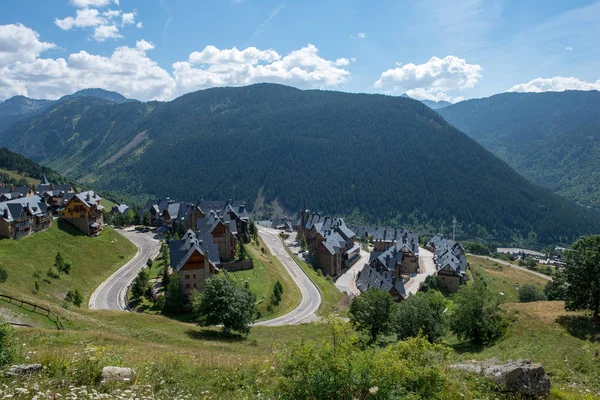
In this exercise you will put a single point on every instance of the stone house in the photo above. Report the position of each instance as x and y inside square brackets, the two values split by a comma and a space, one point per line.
[451, 262]
[24, 216]
[371, 278]
[84, 211]
[195, 259]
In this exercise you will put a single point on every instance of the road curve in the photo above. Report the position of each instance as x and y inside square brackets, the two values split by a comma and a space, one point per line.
[548, 278]
[110, 295]
[311, 298]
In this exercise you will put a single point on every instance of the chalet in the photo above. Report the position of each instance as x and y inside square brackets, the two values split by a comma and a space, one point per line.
[383, 237]
[53, 194]
[223, 232]
[370, 278]
[195, 259]
[12, 192]
[83, 210]
[330, 240]
[120, 209]
[22, 217]
[451, 262]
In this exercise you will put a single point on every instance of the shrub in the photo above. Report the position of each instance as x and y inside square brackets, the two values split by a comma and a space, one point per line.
[175, 301]
[74, 297]
[423, 314]
[529, 293]
[277, 293]
[3, 274]
[431, 282]
[8, 346]
[372, 312]
[556, 289]
[337, 368]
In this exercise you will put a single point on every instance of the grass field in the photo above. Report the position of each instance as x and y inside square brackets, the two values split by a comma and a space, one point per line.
[15, 175]
[332, 300]
[94, 259]
[503, 279]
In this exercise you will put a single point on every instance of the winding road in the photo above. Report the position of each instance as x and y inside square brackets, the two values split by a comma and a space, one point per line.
[311, 298]
[110, 295]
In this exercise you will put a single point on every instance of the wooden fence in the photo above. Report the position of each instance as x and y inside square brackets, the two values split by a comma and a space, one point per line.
[37, 309]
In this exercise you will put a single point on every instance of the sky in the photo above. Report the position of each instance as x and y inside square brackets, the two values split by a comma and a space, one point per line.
[430, 49]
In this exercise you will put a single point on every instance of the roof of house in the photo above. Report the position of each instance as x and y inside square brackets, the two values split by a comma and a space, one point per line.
[336, 234]
[88, 198]
[15, 191]
[181, 250]
[370, 278]
[12, 209]
[384, 233]
[121, 209]
[448, 253]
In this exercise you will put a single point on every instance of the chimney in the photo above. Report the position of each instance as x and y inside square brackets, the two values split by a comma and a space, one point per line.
[52, 186]
[89, 197]
[12, 187]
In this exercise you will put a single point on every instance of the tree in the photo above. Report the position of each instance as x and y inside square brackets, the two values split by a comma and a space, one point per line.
[422, 313]
[140, 285]
[529, 293]
[66, 267]
[477, 316]
[149, 263]
[303, 244]
[556, 289]
[431, 282]
[74, 297]
[146, 220]
[372, 312]
[277, 293]
[59, 262]
[241, 250]
[224, 303]
[582, 276]
[175, 301]
[8, 343]
[3, 274]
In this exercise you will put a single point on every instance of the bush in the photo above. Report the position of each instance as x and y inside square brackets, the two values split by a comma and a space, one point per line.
[477, 316]
[372, 312]
[277, 293]
[529, 293]
[556, 289]
[74, 297]
[337, 368]
[431, 282]
[8, 345]
[175, 301]
[3, 274]
[422, 314]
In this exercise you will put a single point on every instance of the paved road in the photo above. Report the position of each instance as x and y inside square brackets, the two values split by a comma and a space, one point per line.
[346, 283]
[110, 295]
[311, 298]
[426, 267]
[548, 278]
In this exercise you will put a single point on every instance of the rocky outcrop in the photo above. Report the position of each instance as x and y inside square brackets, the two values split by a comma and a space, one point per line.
[23, 370]
[116, 374]
[521, 376]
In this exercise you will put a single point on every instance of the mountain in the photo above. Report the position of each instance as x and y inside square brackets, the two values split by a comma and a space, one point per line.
[377, 159]
[15, 169]
[113, 97]
[551, 138]
[20, 107]
[434, 105]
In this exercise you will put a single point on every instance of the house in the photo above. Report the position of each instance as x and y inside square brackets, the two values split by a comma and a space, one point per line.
[383, 237]
[370, 278]
[330, 240]
[451, 262]
[223, 232]
[21, 217]
[53, 194]
[84, 211]
[12, 192]
[195, 259]
[120, 209]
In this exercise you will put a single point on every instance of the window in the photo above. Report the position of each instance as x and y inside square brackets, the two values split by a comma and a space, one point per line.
[194, 285]
[194, 277]
[187, 285]
[187, 277]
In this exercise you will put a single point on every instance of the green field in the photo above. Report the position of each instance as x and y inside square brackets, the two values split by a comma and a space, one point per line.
[15, 175]
[94, 259]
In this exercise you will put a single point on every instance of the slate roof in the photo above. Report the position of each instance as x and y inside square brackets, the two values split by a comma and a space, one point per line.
[11, 210]
[89, 198]
[336, 234]
[181, 250]
[448, 253]
[369, 277]
[388, 259]
[16, 192]
[121, 209]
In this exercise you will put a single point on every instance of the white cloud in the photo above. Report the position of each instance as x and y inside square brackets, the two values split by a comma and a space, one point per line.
[139, 25]
[19, 43]
[85, 18]
[568, 48]
[362, 35]
[556, 84]
[92, 3]
[233, 67]
[130, 70]
[432, 79]
[128, 18]
[104, 32]
[111, 13]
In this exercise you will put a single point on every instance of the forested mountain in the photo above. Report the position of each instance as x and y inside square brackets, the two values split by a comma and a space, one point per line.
[13, 162]
[552, 138]
[434, 105]
[20, 107]
[380, 159]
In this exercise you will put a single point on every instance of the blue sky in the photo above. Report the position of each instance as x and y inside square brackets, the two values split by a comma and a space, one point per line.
[432, 49]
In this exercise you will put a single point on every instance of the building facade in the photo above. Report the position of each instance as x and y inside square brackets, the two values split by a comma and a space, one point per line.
[84, 211]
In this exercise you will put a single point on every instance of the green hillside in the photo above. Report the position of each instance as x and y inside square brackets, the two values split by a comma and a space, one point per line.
[18, 170]
[551, 138]
[378, 158]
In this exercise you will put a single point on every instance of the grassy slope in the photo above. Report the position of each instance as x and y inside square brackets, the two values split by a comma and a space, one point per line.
[268, 270]
[16, 175]
[94, 259]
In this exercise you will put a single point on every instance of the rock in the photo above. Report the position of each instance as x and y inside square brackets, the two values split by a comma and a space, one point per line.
[116, 374]
[23, 370]
[521, 376]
